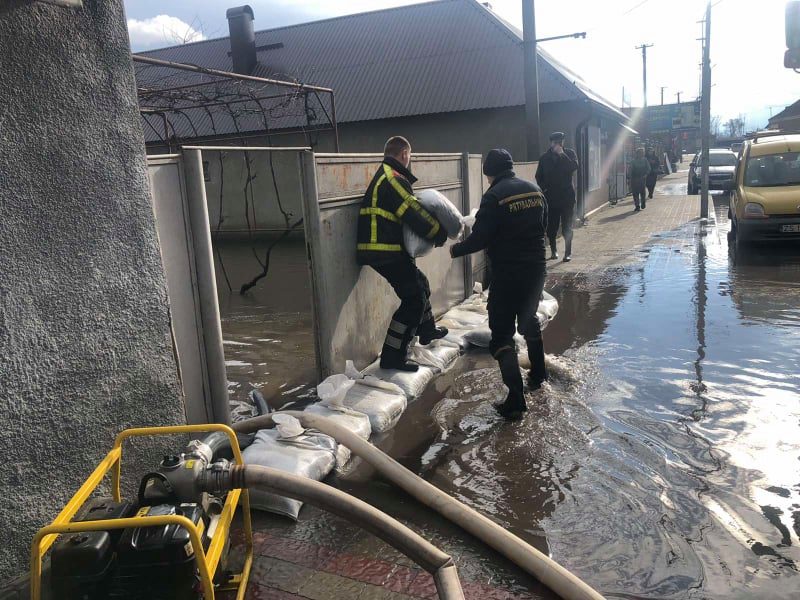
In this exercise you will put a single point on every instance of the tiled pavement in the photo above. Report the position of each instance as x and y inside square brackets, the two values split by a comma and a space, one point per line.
[323, 557]
[612, 235]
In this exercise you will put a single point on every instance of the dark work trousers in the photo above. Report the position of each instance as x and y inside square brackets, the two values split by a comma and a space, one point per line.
[414, 291]
[514, 296]
[560, 213]
[651, 183]
[639, 192]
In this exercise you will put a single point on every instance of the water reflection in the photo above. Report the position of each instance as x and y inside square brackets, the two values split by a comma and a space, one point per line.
[672, 469]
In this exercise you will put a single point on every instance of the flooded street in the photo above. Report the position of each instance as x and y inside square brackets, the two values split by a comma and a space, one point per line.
[663, 458]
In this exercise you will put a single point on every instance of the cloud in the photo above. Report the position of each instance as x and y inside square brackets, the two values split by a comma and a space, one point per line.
[160, 31]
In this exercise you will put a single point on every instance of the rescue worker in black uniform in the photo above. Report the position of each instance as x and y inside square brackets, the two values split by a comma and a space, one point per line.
[510, 225]
[388, 204]
[554, 176]
[652, 176]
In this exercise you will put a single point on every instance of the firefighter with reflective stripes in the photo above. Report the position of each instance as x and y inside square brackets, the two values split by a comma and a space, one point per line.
[388, 204]
[511, 225]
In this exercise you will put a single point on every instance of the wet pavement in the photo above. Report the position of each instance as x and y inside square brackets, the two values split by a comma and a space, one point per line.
[661, 461]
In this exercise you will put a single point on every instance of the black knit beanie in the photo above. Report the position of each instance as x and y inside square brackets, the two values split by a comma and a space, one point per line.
[497, 161]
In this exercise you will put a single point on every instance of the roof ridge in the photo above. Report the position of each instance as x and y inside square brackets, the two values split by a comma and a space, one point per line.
[307, 23]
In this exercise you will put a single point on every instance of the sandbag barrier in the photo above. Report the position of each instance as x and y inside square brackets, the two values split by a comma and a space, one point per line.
[369, 401]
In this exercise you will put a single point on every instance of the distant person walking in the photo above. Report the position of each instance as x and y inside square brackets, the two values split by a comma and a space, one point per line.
[554, 176]
[655, 168]
[638, 171]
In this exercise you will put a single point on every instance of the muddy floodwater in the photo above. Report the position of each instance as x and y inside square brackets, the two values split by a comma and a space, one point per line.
[661, 461]
[267, 332]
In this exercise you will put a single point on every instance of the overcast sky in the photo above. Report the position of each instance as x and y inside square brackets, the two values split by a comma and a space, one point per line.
[746, 51]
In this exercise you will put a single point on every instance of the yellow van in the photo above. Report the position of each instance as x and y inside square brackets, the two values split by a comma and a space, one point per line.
[766, 199]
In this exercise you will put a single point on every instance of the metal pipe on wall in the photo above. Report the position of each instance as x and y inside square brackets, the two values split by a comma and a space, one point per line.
[219, 411]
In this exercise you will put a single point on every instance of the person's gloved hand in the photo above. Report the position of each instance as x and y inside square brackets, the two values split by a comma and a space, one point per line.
[440, 238]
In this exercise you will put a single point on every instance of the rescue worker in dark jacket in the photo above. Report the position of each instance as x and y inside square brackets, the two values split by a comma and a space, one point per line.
[652, 176]
[388, 204]
[638, 171]
[554, 176]
[510, 225]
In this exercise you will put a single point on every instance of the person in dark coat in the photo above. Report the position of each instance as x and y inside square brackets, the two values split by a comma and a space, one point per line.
[554, 176]
[638, 171]
[388, 204]
[652, 176]
[511, 225]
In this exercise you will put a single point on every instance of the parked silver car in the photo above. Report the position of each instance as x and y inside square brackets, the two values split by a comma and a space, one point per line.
[721, 170]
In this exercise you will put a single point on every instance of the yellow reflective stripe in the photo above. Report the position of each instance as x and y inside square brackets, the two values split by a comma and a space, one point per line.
[375, 190]
[410, 201]
[380, 213]
[373, 226]
[383, 247]
[532, 195]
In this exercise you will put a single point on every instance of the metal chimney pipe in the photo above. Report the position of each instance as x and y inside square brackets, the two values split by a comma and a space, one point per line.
[243, 39]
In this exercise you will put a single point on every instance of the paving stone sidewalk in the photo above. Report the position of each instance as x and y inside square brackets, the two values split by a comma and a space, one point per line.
[612, 236]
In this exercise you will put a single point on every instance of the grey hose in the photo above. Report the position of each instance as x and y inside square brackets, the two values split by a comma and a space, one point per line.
[545, 569]
[420, 550]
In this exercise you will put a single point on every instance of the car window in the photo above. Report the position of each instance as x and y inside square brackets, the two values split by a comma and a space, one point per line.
[773, 170]
[722, 159]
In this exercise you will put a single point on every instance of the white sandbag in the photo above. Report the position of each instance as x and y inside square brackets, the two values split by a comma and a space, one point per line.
[446, 213]
[466, 318]
[334, 388]
[383, 403]
[310, 454]
[354, 421]
[439, 354]
[548, 309]
[412, 384]
[415, 245]
[481, 336]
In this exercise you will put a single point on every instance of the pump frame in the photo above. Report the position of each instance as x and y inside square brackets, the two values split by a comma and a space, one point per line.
[207, 562]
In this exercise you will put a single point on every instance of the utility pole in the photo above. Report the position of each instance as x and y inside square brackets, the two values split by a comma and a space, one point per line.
[705, 127]
[663, 87]
[644, 48]
[531, 78]
[678, 94]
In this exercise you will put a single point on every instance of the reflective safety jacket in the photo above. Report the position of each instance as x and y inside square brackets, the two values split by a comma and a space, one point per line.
[388, 204]
[510, 224]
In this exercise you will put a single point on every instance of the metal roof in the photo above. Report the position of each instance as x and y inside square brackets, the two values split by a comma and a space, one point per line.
[435, 57]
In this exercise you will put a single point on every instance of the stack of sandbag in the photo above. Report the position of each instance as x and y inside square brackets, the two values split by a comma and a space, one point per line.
[352, 420]
[290, 448]
[381, 401]
[433, 359]
[446, 213]
[546, 312]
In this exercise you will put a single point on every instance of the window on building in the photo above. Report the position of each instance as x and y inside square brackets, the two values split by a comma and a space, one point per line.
[206, 171]
[594, 158]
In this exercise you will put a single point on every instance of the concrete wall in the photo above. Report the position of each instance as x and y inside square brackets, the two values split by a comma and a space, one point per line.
[227, 174]
[84, 329]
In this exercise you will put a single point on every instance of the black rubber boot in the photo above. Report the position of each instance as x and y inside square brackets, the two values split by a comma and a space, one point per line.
[397, 360]
[538, 373]
[568, 251]
[428, 335]
[514, 405]
[394, 354]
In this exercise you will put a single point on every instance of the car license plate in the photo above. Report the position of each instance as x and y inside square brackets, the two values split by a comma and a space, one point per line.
[790, 228]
